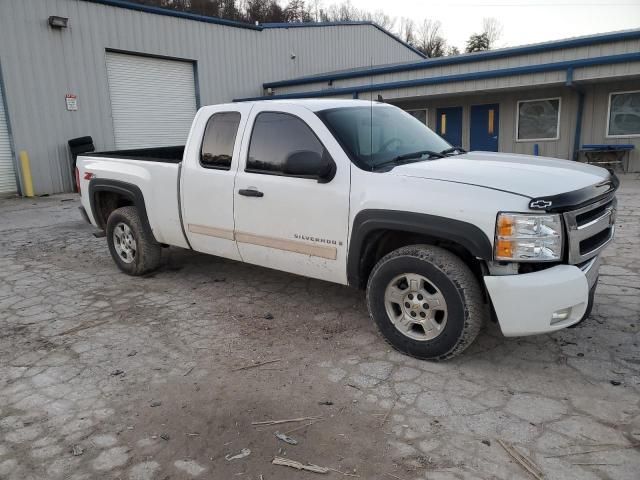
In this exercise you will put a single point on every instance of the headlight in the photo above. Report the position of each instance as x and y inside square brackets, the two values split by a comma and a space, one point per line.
[522, 237]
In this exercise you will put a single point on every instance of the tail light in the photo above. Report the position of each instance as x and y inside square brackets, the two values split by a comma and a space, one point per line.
[77, 180]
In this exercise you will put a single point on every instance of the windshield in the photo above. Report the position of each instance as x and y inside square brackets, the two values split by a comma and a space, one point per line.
[377, 135]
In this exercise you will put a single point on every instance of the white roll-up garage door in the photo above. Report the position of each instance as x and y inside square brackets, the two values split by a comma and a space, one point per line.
[7, 173]
[153, 101]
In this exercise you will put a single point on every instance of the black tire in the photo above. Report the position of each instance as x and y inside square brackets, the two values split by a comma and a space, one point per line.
[466, 310]
[148, 252]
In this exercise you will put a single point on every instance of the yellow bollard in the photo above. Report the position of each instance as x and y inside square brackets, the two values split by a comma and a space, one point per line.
[26, 174]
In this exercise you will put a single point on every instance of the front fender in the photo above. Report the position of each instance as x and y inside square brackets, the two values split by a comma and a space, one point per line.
[366, 222]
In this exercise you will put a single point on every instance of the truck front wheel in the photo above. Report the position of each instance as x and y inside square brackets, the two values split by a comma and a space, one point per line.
[426, 302]
[134, 250]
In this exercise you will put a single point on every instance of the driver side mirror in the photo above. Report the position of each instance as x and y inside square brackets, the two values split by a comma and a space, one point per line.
[310, 164]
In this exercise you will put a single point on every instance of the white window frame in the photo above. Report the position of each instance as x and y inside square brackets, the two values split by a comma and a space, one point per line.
[606, 132]
[426, 113]
[547, 139]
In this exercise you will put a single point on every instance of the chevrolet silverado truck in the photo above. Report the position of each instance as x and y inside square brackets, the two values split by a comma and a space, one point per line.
[362, 194]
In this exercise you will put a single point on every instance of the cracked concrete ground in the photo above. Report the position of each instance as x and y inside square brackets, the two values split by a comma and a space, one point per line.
[108, 376]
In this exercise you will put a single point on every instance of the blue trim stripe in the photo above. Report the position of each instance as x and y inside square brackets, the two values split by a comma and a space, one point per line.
[312, 24]
[504, 72]
[347, 23]
[458, 59]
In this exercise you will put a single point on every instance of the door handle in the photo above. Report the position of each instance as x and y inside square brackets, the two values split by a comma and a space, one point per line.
[250, 192]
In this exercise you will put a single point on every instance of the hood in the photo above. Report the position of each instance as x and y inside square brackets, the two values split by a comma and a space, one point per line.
[521, 174]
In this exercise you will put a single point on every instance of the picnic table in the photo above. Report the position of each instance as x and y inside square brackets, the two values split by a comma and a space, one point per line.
[607, 154]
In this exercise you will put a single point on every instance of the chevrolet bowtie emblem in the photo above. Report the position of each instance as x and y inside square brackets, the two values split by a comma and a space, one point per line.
[540, 204]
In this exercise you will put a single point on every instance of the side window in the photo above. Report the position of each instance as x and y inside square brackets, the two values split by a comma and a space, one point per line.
[538, 119]
[275, 136]
[419, 114]
[624, 114]
[219, 138]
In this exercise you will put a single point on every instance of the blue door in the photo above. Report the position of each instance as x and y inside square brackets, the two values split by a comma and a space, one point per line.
[485, 127]
[449, 125]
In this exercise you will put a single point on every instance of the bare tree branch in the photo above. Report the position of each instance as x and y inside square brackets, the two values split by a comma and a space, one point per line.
[492, 28]
[428, 39]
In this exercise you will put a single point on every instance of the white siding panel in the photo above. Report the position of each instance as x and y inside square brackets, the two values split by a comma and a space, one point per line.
[7, 173]
[153, 101]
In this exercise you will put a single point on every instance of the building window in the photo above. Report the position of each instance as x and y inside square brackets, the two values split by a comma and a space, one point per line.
[538, 119]
[419, 114]
[219, 139]
[624, 114]
[275, 136]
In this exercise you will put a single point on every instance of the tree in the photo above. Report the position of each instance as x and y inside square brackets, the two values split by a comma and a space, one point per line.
[407, 30]
[315, 10]
[428, 39]
[488, 38]
[343, 12]
[452, 51]
[478, 42]
[262, 11]
[275, 13]
[493, 29]
[296, 11]
[380, 18]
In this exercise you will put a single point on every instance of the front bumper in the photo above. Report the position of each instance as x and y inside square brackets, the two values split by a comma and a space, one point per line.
[525, 303]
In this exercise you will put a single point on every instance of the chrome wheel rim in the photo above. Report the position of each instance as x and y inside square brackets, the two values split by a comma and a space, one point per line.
[124, 243]
[416, 307]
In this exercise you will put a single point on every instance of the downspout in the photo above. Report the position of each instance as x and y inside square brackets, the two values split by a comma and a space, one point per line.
[579, 113]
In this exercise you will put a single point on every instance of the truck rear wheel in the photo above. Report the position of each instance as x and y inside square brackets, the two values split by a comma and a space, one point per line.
[134, 250]
[426, 302]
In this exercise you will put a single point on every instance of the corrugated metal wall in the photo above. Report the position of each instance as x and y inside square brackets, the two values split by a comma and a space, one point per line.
[41, 65]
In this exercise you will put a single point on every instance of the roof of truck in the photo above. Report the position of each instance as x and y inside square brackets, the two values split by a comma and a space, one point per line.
[316, 105]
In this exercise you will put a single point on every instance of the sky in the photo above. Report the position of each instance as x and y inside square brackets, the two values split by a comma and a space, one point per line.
[523, 21]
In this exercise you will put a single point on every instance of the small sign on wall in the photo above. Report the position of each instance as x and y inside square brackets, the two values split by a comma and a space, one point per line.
[72, 102]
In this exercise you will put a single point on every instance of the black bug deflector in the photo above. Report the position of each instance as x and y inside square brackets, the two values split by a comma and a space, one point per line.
[577, 198]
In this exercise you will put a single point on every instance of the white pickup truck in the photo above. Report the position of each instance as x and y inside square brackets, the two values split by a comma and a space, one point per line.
[363, 194]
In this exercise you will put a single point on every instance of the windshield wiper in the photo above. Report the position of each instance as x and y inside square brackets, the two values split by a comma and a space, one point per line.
[409, 156]
[453, 150]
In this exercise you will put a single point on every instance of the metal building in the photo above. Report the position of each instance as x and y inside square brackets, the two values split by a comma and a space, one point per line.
[567, 99]
[132, 75]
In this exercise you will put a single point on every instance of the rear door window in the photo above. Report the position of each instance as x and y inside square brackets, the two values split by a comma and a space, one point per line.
[219, 139]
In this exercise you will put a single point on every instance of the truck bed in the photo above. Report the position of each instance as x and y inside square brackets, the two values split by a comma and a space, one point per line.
[155, 172]
[156, 154]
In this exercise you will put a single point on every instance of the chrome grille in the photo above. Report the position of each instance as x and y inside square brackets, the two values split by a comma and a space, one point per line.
[590, 229]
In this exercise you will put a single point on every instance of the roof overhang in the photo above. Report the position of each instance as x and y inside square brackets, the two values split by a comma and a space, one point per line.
[461, 59]
[568, 65]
